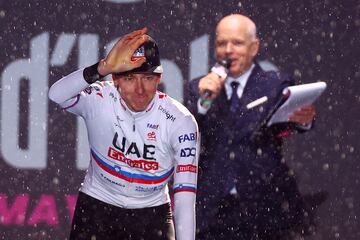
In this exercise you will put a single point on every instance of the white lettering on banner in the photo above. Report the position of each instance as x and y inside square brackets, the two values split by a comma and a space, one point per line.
[199, 57]
[172, 79]
[62, 49]
[108, 47]
[88, 55]
[36, 70]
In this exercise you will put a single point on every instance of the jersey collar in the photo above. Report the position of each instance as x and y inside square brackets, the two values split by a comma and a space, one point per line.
[148, 109]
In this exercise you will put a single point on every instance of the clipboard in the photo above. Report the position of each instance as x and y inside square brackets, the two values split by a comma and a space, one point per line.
[294, 97]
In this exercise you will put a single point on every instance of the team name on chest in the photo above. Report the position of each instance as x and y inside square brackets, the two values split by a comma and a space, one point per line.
[131, 148]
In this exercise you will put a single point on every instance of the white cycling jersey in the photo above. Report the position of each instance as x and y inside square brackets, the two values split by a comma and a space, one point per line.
[133, 155]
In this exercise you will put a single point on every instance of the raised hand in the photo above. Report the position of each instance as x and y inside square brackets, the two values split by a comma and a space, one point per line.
[119, 58]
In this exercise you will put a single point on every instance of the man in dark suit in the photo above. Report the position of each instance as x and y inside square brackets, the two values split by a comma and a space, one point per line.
[246, 191]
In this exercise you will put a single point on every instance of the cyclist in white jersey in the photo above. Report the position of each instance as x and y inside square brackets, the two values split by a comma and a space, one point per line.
[139, 138]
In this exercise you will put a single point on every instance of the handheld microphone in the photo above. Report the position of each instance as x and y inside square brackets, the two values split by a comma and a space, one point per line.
[221, 68]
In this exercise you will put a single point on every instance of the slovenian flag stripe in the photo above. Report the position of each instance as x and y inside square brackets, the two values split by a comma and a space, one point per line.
[130, 177]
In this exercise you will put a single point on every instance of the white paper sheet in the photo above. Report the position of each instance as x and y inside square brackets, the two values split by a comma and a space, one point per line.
[299, 95]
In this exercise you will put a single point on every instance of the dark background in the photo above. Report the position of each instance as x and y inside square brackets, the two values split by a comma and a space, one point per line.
[312, 40]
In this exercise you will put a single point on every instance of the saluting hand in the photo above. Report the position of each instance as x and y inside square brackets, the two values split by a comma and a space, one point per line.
[119, 58]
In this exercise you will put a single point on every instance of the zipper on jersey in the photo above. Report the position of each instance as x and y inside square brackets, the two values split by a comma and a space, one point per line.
[133, 124]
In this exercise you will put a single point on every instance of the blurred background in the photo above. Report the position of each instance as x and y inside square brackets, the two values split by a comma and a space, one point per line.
[43, 150]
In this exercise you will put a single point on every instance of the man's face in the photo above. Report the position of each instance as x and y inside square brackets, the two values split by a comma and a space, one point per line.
[234, 42]
[137, 89]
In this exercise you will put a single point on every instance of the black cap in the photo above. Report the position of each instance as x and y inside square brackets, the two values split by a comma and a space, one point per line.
[150, 51]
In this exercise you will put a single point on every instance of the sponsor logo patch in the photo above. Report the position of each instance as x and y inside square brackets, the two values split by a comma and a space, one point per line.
[153, 126]
[188, 137]
[90, 89]
[186, 168]
[149, 189]
[139, 53]
[112, 95]
[167, 114]
[134, 163]
[112, 181]
[188, 152]
[151, 136]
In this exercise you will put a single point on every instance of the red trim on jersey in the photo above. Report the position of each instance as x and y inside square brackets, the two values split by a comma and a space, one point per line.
[185, 190]
[161, 95]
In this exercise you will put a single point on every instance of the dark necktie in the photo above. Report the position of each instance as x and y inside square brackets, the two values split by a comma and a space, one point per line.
[234, 100]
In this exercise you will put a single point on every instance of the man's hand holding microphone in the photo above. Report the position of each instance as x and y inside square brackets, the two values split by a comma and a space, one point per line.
[211, 85]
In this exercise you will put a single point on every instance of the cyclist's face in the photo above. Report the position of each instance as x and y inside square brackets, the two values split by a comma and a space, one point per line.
[137, 89]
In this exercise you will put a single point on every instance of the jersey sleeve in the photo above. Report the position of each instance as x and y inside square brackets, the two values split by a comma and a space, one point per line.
[74, 94]
[185, 144]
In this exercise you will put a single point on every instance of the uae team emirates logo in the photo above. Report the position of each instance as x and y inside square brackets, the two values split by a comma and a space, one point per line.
[151, 136]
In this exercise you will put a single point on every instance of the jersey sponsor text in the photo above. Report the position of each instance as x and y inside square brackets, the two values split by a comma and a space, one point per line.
[138, 163]
[186, 168]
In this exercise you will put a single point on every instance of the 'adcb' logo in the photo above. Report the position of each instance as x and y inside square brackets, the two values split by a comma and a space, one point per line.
[187, 152]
